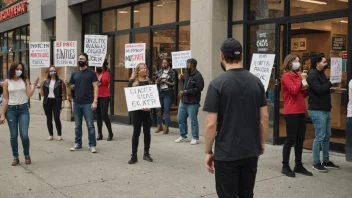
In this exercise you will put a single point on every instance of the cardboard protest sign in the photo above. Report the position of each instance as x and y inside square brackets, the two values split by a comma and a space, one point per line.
[336, 70]
[261, 66]
[142, 97]
[39, 54]
[65, 53]
[134, 54]
[96, 46]
[179, 59]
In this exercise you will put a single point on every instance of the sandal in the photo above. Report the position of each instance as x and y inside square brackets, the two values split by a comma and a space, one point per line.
[28, 159]
[15, 161]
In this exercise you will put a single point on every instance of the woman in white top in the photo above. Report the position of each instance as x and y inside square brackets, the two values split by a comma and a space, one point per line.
[53, 90]
[17, 91]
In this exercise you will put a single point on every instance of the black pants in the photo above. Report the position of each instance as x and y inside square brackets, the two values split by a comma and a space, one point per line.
[141, 118]
[53, 107]
[296, 131]
[102, 114]
[236, 178]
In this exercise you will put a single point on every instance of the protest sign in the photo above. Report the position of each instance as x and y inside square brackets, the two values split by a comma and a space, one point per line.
[336, 70]
[179, 59]
[95, 46]
[261, 66]
[39, 54]
[142, 97]
[65, 53]
[134, 54]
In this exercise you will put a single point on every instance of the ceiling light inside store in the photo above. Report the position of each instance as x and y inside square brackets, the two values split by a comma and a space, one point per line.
[123, 12]
[343, 21]
[346, 1]
[160, 5]
[313, 1]
[136, 11]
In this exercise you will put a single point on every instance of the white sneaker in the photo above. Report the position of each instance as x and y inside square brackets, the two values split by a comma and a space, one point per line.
[76, 147]
[181, 139]
[194, 142]
[50, 138]
[93, 149]
[59, 138]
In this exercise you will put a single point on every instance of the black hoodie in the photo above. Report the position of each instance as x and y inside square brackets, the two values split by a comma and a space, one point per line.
[319, 91]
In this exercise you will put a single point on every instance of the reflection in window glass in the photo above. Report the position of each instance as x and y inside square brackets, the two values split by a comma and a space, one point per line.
[121, 73]
[264, 9]
[24, 58]
[28, 36]
[17, 56]
[143, 38]
[4, 66]
[301, 7]
[10, 41]
[237, 10]
[109, 21]
[141, 15]
[185, 10]
[91, 22]
[120, 107]
[5, 47]
[164, 12]
[17, 39]
[124, 18]
[10, 60]
[23, 37]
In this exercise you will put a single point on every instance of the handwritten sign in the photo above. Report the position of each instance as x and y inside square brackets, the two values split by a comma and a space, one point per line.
[39, 54]
[65, 53]
[95, 46]
[336, 70]
[179, 59]
[261, 66]
[134, 54]
[142, 97]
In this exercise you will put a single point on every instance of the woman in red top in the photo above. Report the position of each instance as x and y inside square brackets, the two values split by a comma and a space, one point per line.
[103, 101]
[294, 90]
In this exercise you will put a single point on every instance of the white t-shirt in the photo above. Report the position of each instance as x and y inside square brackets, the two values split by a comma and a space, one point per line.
[164, 76]
[349, 106]
[51, 89]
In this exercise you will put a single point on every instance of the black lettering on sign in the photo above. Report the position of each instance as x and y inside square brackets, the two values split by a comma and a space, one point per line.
[65, 54]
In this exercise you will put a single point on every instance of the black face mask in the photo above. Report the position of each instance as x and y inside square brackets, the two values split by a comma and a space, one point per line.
[82, 63]
[189, 70]
[99, 69]
[326, 66]
[223, 66]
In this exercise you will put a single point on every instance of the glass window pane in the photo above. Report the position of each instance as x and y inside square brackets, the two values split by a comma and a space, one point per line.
[111, 3]
[164, 12]
[23, 37]
[4, 66]
[10, 60]
[17, 56]
[1, 42]
[299, 7]
[185, 38]
[10, 41]
[264, 9]
[24, 58]
[185, 10]
[120, 107]
[237, 10]
[121, 73]
[18, 39]
[5, 46]
[28, 36]
[109, 21]
[124, 18]
[141, 15]
[91, 22]
[143, 38]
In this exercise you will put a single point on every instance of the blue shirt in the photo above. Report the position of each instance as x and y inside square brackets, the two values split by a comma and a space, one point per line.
[83, 81]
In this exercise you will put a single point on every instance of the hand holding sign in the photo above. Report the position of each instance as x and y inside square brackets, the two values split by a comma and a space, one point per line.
[261, 66]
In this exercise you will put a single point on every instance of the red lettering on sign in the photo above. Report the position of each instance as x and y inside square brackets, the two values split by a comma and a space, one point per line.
[13, 11]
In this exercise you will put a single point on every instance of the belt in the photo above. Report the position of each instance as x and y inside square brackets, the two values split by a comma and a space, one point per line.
[21, 106]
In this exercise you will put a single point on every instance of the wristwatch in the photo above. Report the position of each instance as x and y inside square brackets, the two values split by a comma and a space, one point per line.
[209, 152]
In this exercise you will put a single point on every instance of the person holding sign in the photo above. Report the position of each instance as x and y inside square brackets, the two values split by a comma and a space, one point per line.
[192, 87]
[85, 84]
[319, 107]
[17, 90]
[53, 90]
[140, 117]
[294, 91]
[103, 101]
[165, 80]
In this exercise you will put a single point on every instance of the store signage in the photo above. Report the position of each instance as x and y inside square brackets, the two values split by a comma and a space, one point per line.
[179, 59]
[13, 11]
[261, 66]
[262, 42]
[142, 97]
[338, 42]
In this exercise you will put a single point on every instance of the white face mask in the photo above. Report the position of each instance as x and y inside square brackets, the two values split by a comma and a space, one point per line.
[295, 66]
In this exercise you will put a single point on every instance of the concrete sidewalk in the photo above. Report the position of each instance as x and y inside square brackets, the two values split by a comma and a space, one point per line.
[178, 170]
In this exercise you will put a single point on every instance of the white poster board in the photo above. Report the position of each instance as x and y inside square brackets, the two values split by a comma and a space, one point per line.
[142, 97]
[65, 53]
[336, 70]
[261, 66]
[134, 54]
[39, 54]
[179, 59]
[96, 46]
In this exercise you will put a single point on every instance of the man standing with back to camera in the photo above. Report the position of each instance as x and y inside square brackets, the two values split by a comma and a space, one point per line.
[238, 121]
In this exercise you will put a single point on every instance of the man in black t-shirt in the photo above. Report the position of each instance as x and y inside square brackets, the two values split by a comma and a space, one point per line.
[85, 84]
[238, 122]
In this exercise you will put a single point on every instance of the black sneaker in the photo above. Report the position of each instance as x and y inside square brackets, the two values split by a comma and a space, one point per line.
[133, 159]
[300, 169]
[100, 137]
[286, 170]
[147, 157]
[330, 165]
[110, 137]
[320, 168]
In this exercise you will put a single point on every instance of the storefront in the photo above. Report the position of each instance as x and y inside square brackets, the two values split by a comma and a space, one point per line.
[299, 27]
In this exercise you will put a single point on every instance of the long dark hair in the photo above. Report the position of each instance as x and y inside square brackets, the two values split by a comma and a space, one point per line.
[316, 58]
[12, 71]
[48, 72]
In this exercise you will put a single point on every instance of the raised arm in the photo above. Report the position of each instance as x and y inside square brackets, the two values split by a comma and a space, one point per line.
[30, 90]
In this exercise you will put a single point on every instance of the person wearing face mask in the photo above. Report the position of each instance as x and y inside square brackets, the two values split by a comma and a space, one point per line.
[238, 121]
[103, 101]
[53, 90]
[17, 91]
[165, 79]
[193, 84]
[85, 84]
[294, 90]
[319, 107]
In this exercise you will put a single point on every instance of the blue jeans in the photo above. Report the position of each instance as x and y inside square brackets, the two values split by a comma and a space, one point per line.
[322, 126]
[349, 138]
[17, 117]
[185, 111]
[166, 102]
[85, 110]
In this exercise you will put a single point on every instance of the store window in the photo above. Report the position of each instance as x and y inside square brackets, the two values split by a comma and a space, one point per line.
[300, 7]
[92, 24]
[111, 3]
[109, 21]
[164, 12]
[237, 10]
[124, 18]
[185, 10]
[264, 9]
[141, 15]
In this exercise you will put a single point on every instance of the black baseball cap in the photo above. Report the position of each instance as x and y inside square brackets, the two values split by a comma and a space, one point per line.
[231, 48]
